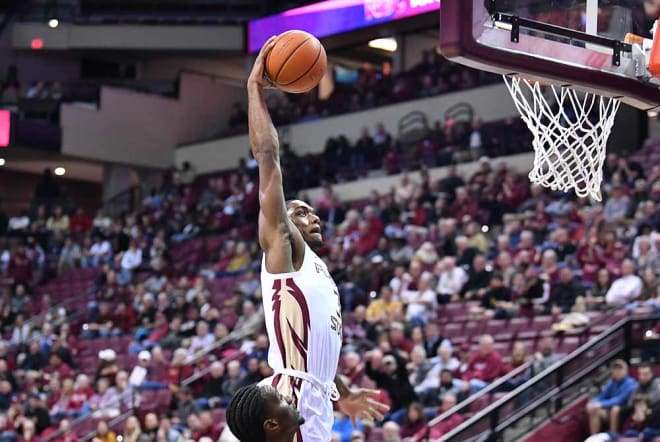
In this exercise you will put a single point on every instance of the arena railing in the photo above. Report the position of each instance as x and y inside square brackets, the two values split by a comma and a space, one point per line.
[463, 406]
[495, 387]
[545, 394]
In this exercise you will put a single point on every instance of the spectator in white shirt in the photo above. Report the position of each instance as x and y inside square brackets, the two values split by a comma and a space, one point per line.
[139, 374]
[444, 361]
[202, 340]
[99, 253]
[21, 333]
[476, 141]
[131, 259]
[397, 283]
[627, 288]
[101, 223]
[421, 301]
[450, 278]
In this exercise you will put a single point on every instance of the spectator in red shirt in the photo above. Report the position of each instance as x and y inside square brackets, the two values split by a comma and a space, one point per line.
[391, 162]
[511, 194]
[417, 215]
[590, 256]
[160, 330]
[439, 430]
[80, 222]
[415, 420]
[124, 317]
[614, 261]
[375, 224]
[463, 205]
[179, 368]
[207, 428]
[484, 366]
[367, 239]
[20, 268]
[398, 339]
[57, 368]
[353, 368]
[82, 392]
[526, 244]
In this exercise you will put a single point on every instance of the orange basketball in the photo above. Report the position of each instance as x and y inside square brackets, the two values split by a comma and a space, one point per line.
[297, 62]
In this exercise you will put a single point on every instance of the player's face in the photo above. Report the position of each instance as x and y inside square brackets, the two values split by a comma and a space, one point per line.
[304, 217]
[283, 411]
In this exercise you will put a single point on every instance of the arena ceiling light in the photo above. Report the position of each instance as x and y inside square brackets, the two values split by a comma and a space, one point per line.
[59, 171]
[2, 162]
[53, 23]
[384, 44]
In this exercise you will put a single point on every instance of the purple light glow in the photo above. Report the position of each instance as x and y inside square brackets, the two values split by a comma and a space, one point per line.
[335, 17]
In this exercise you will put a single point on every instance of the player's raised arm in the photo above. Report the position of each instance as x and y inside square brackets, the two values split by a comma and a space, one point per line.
[274, 230]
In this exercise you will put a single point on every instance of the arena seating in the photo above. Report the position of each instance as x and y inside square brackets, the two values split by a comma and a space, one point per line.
[203, 232]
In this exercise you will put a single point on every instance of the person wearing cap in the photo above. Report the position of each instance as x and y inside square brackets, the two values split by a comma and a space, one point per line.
[648, 385]
[616, 393]
[108, 367]
[140, 371]
[389, 373]
[627, 288]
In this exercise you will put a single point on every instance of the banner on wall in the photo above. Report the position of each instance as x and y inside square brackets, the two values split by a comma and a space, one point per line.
[332, 17]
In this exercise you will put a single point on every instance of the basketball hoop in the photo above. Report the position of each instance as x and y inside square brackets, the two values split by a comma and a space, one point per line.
[570, 130]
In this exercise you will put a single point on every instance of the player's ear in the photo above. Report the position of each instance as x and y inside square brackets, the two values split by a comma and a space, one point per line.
[271, 425]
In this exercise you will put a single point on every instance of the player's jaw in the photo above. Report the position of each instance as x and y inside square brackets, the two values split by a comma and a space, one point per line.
[314, 236]
[308, 223]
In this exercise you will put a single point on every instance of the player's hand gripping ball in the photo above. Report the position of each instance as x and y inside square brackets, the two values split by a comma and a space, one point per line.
[296, 63]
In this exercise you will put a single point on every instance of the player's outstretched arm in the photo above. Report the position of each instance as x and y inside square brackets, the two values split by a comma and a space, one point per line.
[274, 228]
[359, 403]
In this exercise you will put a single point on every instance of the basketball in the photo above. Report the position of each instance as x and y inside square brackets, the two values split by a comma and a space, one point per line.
[297, 62]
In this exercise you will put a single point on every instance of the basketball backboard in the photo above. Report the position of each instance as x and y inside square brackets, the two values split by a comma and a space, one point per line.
[576, 43]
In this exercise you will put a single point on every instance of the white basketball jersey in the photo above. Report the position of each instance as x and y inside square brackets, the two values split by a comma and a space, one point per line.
[303, 321]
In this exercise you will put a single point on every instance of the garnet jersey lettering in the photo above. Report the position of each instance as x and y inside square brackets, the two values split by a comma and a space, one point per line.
[304, 326]
[303, 318]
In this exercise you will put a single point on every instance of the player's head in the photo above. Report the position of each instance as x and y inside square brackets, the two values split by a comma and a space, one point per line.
[304, 217]
[260, 414]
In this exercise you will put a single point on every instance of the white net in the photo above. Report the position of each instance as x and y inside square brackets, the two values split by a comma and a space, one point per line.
[570, 130]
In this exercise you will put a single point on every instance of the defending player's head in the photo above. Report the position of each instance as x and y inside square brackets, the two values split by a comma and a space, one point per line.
[309, 224]
[261, 414]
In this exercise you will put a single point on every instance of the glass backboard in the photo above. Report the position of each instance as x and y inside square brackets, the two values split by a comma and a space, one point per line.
[584, 44]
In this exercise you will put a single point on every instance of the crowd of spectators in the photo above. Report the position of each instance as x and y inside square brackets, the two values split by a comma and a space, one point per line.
[490, 242]
[369, 87]
[629, 407]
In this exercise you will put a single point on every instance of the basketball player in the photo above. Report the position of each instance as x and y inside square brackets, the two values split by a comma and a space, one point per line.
[261, 413]
[301, 301]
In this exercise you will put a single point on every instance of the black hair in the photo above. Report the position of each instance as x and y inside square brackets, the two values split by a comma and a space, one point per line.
[246, 414]
[645, 365]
